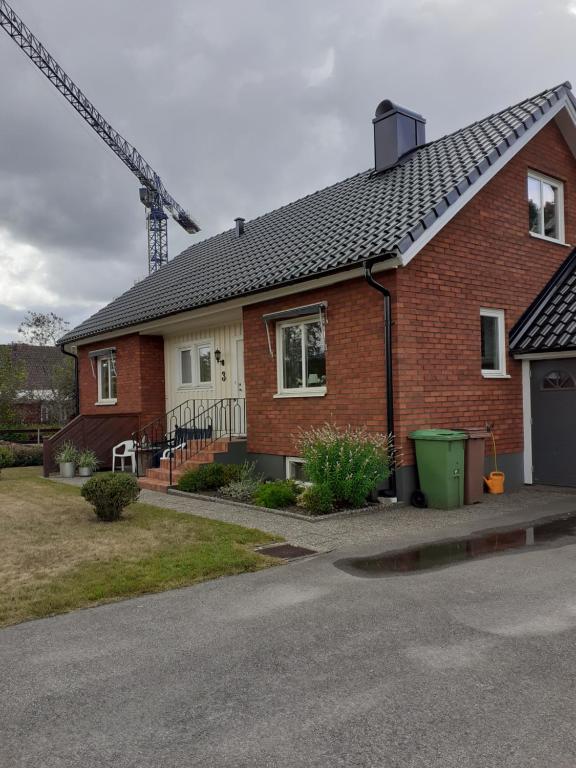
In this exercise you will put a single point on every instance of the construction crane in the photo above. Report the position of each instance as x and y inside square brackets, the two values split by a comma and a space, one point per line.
[153, 193]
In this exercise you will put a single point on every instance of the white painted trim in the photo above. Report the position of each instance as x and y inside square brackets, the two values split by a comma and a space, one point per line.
[211, 312]
[552, 240]
[193, 347]
[545, 355]
[527, 420]
[235, 388]
[559, 185]
[317, 392]
[487, 176]
[300, 391]
[111, 374]
[500, 372]
[295, 460]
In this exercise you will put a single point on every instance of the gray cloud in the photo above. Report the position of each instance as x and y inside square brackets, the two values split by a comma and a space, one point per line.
[240, 107]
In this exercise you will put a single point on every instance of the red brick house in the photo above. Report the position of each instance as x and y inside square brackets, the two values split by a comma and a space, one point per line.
[41, 399]
[385, 300]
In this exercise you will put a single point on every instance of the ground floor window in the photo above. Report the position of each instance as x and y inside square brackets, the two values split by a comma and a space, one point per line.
[493, 342]
[296, 469]
[301, 352]
[196, 365]
[107, 379]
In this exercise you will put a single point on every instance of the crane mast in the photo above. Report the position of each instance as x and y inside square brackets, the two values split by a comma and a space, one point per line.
[153, 193]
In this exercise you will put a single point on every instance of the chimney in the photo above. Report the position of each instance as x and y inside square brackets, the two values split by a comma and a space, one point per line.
[397, 131]
[239, 226]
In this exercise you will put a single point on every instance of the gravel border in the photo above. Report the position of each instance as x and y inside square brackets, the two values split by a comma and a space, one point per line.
[283, 512]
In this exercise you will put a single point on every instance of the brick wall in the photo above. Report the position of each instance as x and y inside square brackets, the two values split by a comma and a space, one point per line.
[355, 368]
[140, 378]
[483, 257]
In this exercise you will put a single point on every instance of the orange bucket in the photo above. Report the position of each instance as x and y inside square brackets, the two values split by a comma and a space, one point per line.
[495, 482]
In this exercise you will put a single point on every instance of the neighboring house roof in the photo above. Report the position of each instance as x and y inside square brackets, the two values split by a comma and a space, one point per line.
[39, 364]
[370, 214]
[549, 323]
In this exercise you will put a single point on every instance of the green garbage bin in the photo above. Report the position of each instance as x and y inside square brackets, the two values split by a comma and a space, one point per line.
[440, 459]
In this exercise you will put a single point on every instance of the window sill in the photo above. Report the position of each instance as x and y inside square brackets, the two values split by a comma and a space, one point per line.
[320, 392]
[549, 239]
[106, 402]
[490, 375]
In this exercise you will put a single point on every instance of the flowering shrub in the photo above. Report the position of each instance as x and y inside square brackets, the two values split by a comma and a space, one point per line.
[350, 462]
[245, 485]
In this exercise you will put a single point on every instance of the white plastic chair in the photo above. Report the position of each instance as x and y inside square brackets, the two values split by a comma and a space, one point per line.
[167, 451]
[123, 451]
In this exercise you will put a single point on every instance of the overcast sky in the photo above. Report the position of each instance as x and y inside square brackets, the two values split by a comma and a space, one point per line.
[239, 106]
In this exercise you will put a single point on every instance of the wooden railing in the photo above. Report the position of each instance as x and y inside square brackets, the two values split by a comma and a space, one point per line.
[99, 433]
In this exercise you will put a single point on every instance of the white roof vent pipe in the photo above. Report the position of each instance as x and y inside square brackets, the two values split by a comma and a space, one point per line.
[397, 131]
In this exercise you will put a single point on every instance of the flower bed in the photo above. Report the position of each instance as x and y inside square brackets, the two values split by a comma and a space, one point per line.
[343, 465]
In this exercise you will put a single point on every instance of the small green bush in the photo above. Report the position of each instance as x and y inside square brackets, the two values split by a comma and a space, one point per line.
[317, 499]
[109, 493]
[208, 477]
[23, 455]
[28, 455]
[6, 457]
[276, 495]
[350, 462]
[244, 488]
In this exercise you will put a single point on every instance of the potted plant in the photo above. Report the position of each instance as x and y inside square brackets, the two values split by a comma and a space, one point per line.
[87, 462]
[66, 457]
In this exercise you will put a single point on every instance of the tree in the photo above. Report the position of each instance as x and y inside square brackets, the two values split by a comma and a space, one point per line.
[62, 393]
[12, 377]
[42, 328]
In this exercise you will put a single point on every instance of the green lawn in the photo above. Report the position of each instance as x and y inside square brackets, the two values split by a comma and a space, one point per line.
[55, 555]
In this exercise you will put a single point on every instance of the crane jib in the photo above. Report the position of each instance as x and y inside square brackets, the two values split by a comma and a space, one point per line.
[129, 155]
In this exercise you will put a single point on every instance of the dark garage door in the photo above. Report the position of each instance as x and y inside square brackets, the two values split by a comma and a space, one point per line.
[553, 386]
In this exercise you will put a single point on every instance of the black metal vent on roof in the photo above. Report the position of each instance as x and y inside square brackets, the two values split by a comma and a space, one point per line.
[397, 131]
[239, 221]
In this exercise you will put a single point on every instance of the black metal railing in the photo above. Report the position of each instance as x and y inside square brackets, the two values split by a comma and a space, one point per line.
[153, 439]
[223, 419]
[189, 428]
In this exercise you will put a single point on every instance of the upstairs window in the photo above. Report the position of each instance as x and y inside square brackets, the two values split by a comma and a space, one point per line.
[301, 357]
[545, 207]
[493, 343]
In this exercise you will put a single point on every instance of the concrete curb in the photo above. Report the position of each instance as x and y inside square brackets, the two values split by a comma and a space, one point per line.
[284, 513]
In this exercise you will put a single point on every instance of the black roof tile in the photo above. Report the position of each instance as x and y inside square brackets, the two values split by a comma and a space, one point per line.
[549, 323]
[366, 215]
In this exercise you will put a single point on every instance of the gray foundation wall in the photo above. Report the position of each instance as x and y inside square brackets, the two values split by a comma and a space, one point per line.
[273, 467]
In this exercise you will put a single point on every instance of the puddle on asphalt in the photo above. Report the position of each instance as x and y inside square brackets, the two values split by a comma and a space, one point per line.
[445, 553]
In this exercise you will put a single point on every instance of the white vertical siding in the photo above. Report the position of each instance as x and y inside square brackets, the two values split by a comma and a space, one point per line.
[221, 337]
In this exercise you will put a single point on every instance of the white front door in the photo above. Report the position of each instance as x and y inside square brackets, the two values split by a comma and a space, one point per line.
[238, 386]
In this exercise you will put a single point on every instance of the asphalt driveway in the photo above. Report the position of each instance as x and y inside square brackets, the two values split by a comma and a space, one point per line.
[305, 665]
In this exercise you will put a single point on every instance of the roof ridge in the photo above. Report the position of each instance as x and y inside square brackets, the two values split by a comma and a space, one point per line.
[383, 213]
[566, 84]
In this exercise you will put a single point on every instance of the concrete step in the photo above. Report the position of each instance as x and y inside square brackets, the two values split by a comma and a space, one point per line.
[152, 485]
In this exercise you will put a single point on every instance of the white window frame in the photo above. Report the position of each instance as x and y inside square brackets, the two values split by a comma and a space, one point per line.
[500, 372]
[559, 185]
[295, 460]
[298, 391]
[194, 350]
[111, 370]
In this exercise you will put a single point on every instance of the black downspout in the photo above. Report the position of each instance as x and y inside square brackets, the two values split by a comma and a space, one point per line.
[389, 369]
[76, 387]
